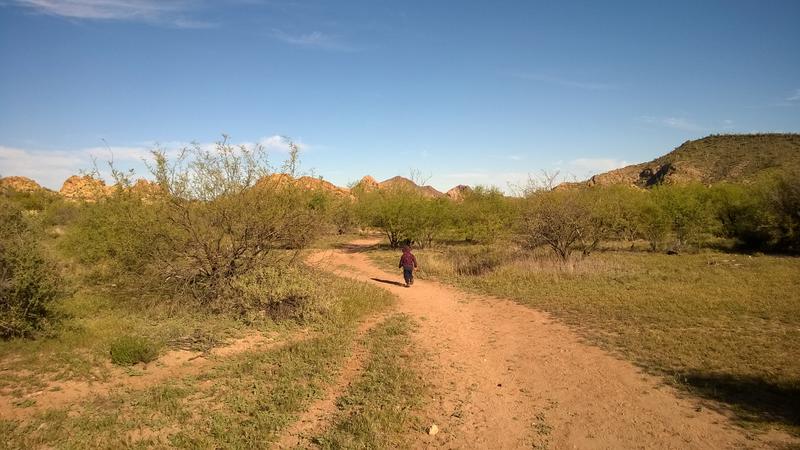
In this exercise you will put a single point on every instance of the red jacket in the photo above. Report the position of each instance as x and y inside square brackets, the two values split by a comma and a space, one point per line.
[408, 261]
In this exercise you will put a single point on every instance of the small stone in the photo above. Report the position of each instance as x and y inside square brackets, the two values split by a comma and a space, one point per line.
[433, 429]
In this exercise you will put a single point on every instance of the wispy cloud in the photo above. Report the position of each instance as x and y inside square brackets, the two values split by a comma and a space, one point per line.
[566, 82]
[506, 181]
[51, 167]
[157, 12]
[794, 97]
[314, 39]
[678, 123]
[591, 166]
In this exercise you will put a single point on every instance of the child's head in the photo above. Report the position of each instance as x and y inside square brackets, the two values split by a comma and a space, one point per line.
[406, 248]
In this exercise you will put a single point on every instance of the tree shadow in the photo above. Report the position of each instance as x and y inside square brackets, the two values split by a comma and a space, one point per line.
[396, 283]
[753, 399]
[352, 248]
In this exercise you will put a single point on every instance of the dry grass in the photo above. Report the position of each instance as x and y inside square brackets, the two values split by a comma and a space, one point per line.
[243, 402]
[724, 326]
[379, 410]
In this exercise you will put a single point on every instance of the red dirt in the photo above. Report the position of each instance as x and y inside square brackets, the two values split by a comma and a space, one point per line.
[173, 364]
[508, 376]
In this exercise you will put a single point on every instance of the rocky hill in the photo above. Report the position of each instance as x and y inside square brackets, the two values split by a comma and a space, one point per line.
[715, 158]
[20, 184]
[457, 193]
[368, 183]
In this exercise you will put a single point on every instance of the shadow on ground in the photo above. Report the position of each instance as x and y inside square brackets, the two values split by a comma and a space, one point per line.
[352, 248]
[395, 283]
[753, 399]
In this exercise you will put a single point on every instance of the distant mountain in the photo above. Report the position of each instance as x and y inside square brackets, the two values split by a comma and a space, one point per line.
[20, 184]
[368, 183]
[735, 157]
[457, 193]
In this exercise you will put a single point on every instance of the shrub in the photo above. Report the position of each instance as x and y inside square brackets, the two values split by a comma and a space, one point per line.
[785, 203]
[485, 215]
[286, 292]
[562, 220]
[214, 215]
[687, 209]
[28, 279]
[227, 215]
[128, 350]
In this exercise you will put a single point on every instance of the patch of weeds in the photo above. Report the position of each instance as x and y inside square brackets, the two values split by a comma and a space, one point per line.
[379, 410]
[27, 403]
[129, 350]
[245, 401]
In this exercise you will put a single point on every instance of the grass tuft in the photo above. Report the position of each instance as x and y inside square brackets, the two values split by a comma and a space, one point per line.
[129, 350]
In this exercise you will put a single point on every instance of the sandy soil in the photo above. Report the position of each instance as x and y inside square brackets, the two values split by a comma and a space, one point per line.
[173, 364]
[508, 376]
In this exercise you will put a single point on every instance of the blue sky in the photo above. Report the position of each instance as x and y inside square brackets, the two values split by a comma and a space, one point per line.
[463, 92]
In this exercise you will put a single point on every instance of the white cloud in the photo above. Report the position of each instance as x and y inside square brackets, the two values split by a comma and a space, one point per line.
[315, 39]
[678, 123]
[586, 85]
[51, 167]
[794, 97]
[164, 12]
[591, 166]
[277, 143]
[48, 168]
[506, 181]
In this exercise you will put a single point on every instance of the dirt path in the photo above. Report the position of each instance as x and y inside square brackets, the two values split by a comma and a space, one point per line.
[321, 412]
[173, 364]
[508, 376]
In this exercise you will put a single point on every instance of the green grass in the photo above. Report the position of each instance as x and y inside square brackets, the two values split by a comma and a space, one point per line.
[724, 326]
[380, 409]
[243, 402]
[93, 318]
[129, 350]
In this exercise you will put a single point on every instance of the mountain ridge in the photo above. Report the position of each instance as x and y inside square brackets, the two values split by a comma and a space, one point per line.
[711, 159]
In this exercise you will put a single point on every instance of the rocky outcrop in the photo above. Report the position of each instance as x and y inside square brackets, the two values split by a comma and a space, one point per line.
[84, 188]
[323, 185]
[709, 160]
[20, 184]
[404, 183]
[366, 184]
[277, 180]
[457, 193]
[146, 188]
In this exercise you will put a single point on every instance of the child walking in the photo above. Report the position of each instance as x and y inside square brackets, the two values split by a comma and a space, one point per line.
[408, 262]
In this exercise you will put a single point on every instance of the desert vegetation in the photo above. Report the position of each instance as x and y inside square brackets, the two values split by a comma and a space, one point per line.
[209, 252]
[697, 283]
[694, 282]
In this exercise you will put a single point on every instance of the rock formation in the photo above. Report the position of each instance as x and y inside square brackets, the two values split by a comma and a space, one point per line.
[20, 184]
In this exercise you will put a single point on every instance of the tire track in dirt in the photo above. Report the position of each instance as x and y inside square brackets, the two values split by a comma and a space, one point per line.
[173, 364]
[508, 376]
[321, 412]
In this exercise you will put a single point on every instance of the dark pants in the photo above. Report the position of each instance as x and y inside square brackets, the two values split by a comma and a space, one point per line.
[408, 275]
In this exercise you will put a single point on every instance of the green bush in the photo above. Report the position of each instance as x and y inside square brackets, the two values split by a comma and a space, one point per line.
[28, 279]
[129, 350]
[484, 215]
[562, 220]
[213, 216]
[276, 292]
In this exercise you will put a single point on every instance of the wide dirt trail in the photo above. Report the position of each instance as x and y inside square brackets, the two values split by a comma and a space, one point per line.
[508, 376]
